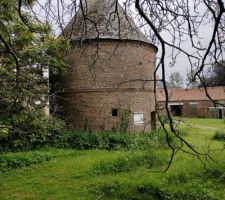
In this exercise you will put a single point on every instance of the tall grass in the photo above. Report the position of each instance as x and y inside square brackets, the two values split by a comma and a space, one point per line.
[9, 161]
[219, 135]
[110, 140]
[130, 162]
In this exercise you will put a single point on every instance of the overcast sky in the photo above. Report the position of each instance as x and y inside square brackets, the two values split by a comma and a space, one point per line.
[182, 64]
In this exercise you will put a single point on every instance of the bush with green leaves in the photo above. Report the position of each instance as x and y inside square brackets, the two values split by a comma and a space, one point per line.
[34, 130]
[154, 139]
[80, 139]
[219, 135]
[217, 174]
[30, 129]
[28, 49]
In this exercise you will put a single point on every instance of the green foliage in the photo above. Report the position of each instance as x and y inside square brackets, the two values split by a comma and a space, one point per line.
[30, 130]
[148, 192]
[214, 123]
[134, 174]
[9, 161]
[80, 139]
[36, 130]
[125, 120]
[180, 177]
[101, 140]
[183, 131]
[116, 166]
[28, 51]
[219, 135]
[154, 139]
[164, 119]
[128, 163]
[217, 173]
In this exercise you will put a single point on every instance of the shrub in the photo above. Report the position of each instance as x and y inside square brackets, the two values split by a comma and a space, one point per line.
[217, 174]
[154, 139]
[80, 139]
[30, 130]
[164, 119]
[102, 140]
[219, 135]
[46, 131]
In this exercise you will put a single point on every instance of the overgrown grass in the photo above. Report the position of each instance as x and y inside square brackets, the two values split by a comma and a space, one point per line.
[149, 192]
[9, 161]
[83, 140]
[219, 135]
[131, 162]
[114, 175]
[98, 174]
[123, 172]
[111, 140]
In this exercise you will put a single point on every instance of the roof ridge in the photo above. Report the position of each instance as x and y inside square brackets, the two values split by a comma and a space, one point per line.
[192, 94]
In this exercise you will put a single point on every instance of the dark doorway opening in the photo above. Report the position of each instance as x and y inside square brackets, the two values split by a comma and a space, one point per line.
[153, 120]
[176, 110]
[220, 113]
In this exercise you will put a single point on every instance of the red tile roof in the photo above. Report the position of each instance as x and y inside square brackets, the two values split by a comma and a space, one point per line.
[195, 94]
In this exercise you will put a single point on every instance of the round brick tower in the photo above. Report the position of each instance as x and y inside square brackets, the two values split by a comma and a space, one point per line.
[111, 71]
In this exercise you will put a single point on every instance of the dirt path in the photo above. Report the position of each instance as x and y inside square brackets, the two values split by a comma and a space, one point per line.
[204, 127]
[208, 128]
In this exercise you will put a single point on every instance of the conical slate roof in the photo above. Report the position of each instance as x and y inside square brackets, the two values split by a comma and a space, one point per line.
[103, 19]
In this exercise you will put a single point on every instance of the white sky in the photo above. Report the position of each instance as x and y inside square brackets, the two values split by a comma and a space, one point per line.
[182, 64]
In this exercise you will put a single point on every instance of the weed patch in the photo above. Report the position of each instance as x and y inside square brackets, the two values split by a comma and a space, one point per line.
[103, 140]
[111, 140]
[182, 177]
[219, 135]
[148, 192]
[216, 174]
[128, 163]
[9, 161]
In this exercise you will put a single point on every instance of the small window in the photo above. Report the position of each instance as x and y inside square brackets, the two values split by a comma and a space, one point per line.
[114, 112]
[138, 118]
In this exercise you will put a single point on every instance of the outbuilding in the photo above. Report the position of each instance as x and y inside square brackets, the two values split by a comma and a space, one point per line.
[193, 102]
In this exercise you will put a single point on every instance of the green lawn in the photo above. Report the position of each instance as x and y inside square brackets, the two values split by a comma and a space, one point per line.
[134, 174]
[214, 123]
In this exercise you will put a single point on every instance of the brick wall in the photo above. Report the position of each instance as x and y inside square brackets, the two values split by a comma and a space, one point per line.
[202, 109]
[101, 78]
[94, 109]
